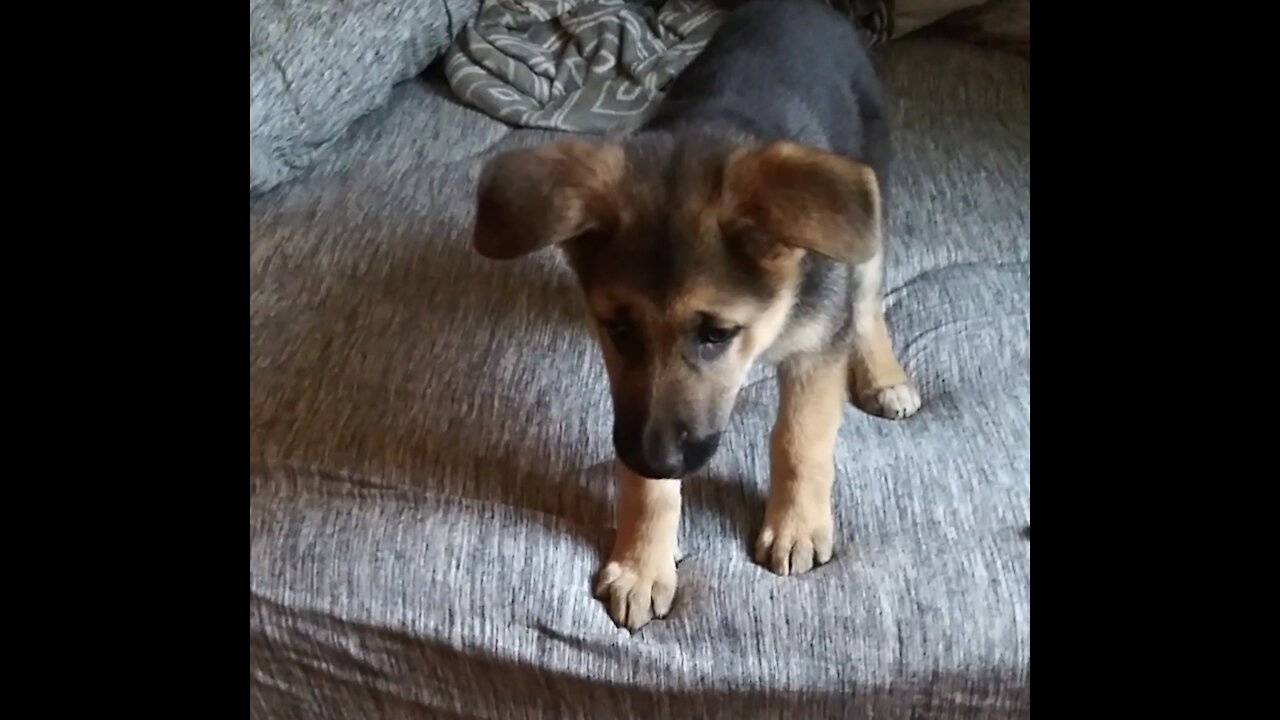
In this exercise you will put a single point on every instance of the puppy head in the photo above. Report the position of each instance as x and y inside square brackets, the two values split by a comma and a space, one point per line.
[689, 255]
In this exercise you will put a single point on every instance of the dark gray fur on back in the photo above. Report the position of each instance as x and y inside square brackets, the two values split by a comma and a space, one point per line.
[793, 70]
[784, 69]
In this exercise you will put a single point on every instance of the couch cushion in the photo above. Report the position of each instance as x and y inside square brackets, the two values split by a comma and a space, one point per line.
[315, 66]
[429, 439]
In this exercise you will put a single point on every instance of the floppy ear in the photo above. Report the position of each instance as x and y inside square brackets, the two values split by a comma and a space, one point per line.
[806, 198]
[531, 198]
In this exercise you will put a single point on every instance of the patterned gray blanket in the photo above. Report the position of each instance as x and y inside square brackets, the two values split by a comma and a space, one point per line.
[598, 65]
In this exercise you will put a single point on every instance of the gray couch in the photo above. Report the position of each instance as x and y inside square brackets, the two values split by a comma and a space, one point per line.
[430, 486]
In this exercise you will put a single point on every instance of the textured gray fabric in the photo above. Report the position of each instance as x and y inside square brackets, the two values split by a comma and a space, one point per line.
[430, 492]
[317, 65]
[579, 65]
[599, 65]
[996, 25]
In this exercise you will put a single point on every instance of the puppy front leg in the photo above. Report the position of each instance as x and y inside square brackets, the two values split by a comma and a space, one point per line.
[879, 384]
[639, 581]
[797, 532]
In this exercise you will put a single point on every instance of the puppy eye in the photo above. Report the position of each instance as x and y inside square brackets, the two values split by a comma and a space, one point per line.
[624, 335]
[717, 336]
[618, 330]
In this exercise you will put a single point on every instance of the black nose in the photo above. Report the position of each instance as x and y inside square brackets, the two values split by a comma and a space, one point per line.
[670, 451]
[697, 451]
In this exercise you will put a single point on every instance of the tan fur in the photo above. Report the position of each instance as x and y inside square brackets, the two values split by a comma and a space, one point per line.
[764, 332]
[768, 206]
[799, 337]
[763, 323]
[639, 581]
[534, 197]
[877, 381]
[806, 198]
[797, 532]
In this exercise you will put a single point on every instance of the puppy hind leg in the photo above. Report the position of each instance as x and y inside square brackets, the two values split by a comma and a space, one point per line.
[877, 382]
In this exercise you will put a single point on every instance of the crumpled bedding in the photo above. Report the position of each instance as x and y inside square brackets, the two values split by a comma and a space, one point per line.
[598, 66]
[316, 66]
[580, 65]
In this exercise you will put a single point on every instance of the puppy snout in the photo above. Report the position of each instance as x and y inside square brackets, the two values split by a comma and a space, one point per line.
[672, 450]
[697, 451]
[661, 449]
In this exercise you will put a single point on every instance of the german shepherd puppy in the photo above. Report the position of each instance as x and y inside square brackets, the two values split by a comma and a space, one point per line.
[740, 224]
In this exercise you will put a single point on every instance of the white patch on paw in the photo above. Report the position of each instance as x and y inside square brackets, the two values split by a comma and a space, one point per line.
[896, 402]
[637, 592]
[794, 541]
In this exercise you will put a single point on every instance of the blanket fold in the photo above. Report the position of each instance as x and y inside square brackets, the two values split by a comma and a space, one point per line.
[598, 66]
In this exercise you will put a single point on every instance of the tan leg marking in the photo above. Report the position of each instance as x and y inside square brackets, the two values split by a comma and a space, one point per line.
[879, 384]
[797, 532]
[639, 581]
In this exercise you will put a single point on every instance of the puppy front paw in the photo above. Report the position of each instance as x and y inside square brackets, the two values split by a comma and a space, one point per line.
[638, 589]
[796, 538]
[894, 402]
